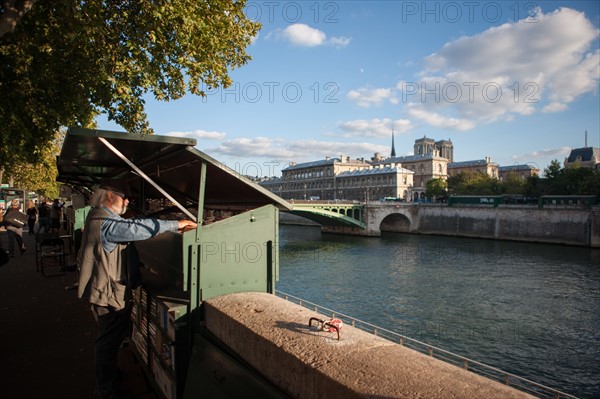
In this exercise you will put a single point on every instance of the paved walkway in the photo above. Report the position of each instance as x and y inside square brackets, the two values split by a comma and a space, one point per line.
[47, 336]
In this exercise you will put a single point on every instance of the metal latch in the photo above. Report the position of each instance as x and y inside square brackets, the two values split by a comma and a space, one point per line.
[328, 325]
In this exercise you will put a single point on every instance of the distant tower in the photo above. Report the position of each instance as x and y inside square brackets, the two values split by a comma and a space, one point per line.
[585, 138]
[393, 154]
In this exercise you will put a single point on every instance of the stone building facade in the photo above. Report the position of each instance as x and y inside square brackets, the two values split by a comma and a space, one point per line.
[523, 171]
[425, 167]
[402, 177]
[441, 148]
[479, 165]
[586, 157]
[375, 183]
[341, 179]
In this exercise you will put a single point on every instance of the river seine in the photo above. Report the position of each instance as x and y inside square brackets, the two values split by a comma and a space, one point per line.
[528, 309]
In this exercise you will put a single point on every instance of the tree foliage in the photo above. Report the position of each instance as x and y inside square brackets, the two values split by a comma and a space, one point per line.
[436, 188]
[40, 177]
[571, 181]
[66, 61]
[556, 181]
[469, 183]
[512, 184]
[553, 170]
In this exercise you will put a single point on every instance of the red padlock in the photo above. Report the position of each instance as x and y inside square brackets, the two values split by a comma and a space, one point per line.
[332, 322]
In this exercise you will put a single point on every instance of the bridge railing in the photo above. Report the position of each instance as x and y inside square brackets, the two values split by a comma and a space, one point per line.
[324, 202]
[474, 366]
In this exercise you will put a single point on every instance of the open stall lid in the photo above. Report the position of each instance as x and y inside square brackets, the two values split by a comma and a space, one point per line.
[172, 164]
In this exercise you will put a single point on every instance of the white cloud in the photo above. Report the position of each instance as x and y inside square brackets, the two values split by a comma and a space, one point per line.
[263, 147]
[306, 149]
[306, 36]
[552, 152]
[542, 158]
[517, 68]
[199, 134]
[296, 151]
[374, 128]
[555, 107]
[367, 97]
[438, 120]
[339, 41]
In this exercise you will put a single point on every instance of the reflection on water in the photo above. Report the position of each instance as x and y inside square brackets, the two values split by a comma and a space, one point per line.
[530, 309]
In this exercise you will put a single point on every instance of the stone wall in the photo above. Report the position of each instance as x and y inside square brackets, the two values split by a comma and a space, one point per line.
[557, 224]
[573, 226]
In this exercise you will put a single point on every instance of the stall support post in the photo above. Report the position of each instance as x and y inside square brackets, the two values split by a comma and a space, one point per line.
[194, 248]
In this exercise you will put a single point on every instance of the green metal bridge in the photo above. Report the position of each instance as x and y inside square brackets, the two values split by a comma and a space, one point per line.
[331, 213]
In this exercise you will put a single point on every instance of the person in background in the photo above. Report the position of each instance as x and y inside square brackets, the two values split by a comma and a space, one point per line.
[14, 233]
[108, 265]
[55, 215]
[43, 217]
[31, 217]
[4, 256]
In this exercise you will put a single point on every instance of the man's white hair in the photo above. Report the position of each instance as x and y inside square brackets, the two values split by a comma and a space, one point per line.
[98, 198]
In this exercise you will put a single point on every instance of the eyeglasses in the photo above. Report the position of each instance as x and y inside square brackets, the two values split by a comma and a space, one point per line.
[123, 196]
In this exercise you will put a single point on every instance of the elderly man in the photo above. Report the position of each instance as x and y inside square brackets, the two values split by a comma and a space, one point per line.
[107, 265]
[14, 232]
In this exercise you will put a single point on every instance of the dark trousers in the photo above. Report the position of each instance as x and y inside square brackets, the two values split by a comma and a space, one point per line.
[44, 223]
[113, 327]
[14, 233]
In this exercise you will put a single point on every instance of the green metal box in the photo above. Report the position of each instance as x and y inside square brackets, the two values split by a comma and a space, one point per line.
[234, 248]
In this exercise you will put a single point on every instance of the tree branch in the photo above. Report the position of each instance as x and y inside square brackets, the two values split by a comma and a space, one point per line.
[13, 11]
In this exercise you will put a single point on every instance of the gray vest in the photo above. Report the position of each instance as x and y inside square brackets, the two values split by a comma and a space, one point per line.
[103, 275]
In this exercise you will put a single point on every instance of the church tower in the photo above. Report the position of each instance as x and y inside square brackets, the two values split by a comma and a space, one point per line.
[393, 153]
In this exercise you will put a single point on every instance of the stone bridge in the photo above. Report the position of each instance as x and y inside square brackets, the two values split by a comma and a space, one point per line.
[359, 219]
[571, 225]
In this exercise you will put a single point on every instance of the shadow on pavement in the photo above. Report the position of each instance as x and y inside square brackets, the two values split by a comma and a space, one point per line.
[47, 335]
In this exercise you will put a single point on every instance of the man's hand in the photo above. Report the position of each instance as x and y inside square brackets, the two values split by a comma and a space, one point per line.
[186, 225]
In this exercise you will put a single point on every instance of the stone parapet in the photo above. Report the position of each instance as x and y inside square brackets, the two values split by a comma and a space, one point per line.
[273, 336]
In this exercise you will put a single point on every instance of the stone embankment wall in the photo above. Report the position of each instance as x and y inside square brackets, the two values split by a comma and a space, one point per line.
[273, 336]
[556, 225]
[570, 226]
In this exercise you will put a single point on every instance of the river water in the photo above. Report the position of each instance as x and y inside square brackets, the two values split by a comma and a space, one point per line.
[529, 309]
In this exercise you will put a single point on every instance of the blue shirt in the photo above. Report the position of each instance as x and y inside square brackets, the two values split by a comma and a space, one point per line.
[114, 229]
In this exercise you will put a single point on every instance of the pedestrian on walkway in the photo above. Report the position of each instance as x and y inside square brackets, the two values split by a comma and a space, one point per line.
[56, 215]
[4, 257]
[108, 269]
[31, 217]
[15, 233]
[43, 218]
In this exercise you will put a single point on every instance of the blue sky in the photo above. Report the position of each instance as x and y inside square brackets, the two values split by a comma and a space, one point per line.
[515, 81]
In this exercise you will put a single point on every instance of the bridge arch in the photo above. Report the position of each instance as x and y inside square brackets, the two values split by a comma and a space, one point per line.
[397, 218]
[348, 215]
[396, 223]
[360, 219]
